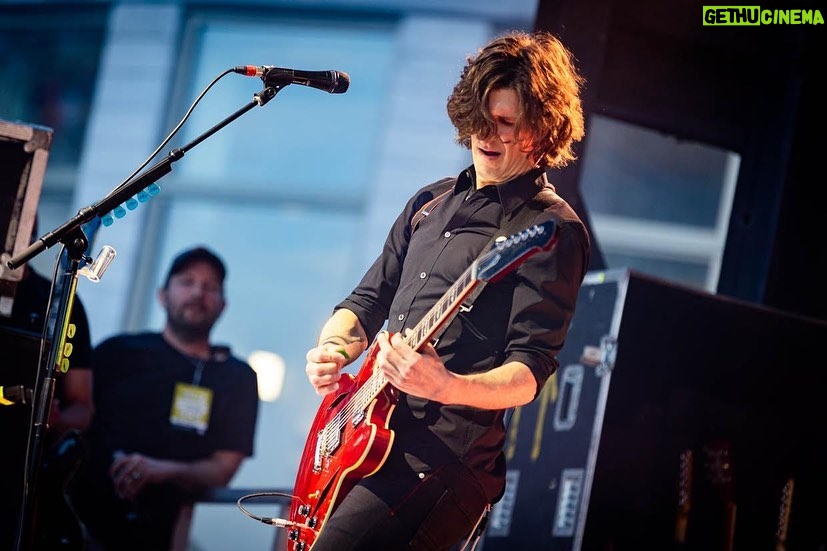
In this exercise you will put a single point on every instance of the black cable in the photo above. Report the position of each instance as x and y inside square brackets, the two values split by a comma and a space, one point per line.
[272, 521]
[171, 134]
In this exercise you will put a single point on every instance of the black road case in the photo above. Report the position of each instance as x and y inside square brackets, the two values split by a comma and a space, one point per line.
[677, 420]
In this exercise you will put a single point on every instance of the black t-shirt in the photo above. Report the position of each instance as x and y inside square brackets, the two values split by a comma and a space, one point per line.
[135, 377]
[25, 327]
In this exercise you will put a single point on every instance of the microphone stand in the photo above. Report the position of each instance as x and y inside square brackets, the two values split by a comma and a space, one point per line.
[71, 235]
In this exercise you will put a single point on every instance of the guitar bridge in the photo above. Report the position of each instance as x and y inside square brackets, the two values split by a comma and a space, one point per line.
[327, 441]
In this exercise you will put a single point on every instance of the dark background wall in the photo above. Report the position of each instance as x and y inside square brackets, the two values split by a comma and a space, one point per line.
[753, 90]
[693, 368]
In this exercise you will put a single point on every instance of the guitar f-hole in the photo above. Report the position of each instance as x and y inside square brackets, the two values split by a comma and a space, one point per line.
[337, 400]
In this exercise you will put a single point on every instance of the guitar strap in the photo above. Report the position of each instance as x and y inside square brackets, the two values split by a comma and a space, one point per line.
[426, 209]
[518, 220]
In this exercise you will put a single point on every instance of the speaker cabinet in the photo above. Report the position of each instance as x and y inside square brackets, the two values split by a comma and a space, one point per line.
[677, 420]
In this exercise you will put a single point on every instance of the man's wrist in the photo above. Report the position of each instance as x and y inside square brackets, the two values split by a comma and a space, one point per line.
[340, 340]
[336, 340]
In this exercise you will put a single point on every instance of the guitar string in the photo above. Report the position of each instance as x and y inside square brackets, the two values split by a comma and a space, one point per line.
[376, 381]
[331, 433]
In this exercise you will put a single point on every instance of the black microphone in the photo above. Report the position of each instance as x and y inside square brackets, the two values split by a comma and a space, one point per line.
[334, 82]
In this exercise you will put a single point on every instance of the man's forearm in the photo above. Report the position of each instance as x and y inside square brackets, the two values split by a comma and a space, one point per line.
[504, 387]
[217, 470]
[344, 331]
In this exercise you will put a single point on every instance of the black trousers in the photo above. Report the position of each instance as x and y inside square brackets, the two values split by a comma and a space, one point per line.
[396, 510]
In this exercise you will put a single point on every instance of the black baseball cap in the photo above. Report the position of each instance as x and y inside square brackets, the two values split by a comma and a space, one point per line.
[197, 254]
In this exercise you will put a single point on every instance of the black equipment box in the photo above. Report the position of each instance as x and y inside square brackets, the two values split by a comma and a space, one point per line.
[24, 153]
[677, 420]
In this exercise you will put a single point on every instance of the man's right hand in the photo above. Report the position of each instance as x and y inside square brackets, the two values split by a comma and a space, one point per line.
[324, 366]
[131, 472]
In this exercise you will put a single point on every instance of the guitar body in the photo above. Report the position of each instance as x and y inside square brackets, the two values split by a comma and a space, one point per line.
[332, 464]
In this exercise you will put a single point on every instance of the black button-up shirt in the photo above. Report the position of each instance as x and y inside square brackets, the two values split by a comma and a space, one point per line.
[522, 317]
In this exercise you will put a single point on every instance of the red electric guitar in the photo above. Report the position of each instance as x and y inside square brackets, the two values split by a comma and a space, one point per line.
[350, 439]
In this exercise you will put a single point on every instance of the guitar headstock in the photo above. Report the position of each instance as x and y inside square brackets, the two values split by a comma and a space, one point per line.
[508, 253]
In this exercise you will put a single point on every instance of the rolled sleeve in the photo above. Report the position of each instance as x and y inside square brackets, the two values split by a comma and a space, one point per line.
[544, 303]
[371, 299]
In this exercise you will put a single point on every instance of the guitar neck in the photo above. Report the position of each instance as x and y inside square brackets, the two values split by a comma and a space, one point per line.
[489, 266]
[435, 321]
[446, 308]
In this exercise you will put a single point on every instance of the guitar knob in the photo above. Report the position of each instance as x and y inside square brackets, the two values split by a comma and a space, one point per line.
[312, 522]
[300, 546]
[293, 534]
[304, 510]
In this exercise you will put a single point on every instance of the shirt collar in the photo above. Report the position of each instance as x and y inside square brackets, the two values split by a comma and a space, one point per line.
[512, 193]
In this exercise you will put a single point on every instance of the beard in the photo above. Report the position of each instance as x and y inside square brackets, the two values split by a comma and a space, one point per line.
[190, 328]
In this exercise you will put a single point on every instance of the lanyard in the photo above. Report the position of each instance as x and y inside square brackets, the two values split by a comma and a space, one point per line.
[199, 369]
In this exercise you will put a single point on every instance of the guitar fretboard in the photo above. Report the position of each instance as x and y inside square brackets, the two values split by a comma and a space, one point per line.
[437, 318]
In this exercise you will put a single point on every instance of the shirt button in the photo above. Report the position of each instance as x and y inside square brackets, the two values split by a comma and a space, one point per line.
[423, 275]
[447, 234]
[401, 317]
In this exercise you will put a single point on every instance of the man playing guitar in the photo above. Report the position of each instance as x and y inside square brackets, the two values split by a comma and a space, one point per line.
[517, 108]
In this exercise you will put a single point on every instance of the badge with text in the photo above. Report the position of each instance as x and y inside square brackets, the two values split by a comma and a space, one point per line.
[191, 407]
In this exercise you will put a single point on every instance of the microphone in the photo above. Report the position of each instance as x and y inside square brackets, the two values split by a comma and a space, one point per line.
[333, 82]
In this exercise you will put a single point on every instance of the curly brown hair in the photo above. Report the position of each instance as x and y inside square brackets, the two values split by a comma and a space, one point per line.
[541, 70]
